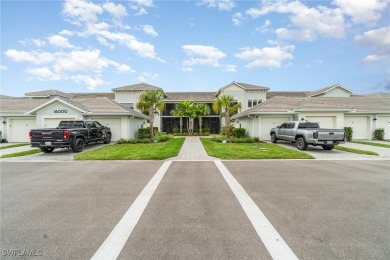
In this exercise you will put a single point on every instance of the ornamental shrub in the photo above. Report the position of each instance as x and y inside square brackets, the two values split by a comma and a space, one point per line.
[379, 134]
[145, 132]
[239, 132]
[348, 133]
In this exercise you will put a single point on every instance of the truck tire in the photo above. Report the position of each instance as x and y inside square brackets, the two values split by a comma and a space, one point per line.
[328, 147]
[301, 144]
[274, 139]
[47, 149]
[78, 145]
[107, 140]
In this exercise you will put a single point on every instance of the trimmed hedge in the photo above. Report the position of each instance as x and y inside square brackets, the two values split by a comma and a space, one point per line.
[379, 134]
[348, 133]
[239, 132]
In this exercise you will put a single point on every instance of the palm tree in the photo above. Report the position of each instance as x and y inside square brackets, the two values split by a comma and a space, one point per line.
[226, 104]
[180, 111]
[151, 100]
[200, 110]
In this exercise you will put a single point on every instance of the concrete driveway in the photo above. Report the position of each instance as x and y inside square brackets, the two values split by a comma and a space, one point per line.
[319, 153]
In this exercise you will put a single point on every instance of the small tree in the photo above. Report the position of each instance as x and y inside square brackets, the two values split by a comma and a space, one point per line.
[200, 110]
[379, 134]
[151, 100]
[226, 104]
[180, 111]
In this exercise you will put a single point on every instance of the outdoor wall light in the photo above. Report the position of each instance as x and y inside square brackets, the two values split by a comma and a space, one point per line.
[302, 119]
[4, 122]
[375, 119]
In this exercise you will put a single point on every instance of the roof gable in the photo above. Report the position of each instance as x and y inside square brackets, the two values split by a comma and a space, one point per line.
[244, 86]
[137, 87]
[72, 104]
[47, 94]
[326, 90]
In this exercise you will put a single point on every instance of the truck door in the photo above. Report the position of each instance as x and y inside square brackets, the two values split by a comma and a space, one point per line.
[93, 131]
[290, 131]
[282, 130]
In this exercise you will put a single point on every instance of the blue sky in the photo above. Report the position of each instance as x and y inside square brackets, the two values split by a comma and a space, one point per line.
[94, 46]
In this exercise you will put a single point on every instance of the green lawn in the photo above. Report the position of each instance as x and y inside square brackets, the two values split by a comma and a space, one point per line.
[152, 151]
[251, 151]
[21, 153]
[13, 145]
[352, 150]
[372, 143]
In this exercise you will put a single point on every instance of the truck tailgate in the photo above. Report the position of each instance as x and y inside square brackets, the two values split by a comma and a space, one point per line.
[324, 135]
[47, 134]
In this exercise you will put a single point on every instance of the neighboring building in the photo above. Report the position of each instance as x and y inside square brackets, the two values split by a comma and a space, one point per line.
[332, 107]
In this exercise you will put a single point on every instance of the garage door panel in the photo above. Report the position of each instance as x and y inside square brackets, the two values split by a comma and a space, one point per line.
[19, 128]
[359, 126]
[324, 121]
[114, 124]
[384, 122]
[267, 123]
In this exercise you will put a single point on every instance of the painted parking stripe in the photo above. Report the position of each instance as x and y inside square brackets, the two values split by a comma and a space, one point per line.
[114, 243]
[274, 243]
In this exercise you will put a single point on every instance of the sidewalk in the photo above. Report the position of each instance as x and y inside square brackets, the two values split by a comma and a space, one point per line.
[193, 150]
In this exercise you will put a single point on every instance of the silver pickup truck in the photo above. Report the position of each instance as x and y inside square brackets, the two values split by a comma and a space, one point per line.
[305, 133]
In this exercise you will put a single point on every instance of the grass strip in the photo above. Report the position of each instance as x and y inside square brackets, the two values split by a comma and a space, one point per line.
[13, 145]
[251, 151]
[352, 150]
[372, 143]
[150, 151]
[33, 151]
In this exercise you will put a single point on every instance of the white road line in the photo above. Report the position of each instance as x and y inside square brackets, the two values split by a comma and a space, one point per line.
[114, 243]
[274, 243]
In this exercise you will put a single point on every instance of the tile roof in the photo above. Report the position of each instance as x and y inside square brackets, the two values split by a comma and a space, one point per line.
[324, 90]
[20, 105]
[137, 87]
[48, 93]
[271, 94]
[352, 104]
[195, 96]
[243, 86]
[109, 95]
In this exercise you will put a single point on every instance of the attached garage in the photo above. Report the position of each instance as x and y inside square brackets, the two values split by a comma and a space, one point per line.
[384, 122]
[54, 122]
[324, 121]
[360, 126]
[267, 123]
[19, 128]
[113, 123]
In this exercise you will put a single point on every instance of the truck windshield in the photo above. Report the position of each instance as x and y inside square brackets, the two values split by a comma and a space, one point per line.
[70, 124]
[308, 125]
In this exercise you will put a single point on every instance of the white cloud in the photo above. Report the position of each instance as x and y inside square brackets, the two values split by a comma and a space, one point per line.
[378, 41]
[66, 32]
[224, 5]
[88, 60]
[104, 42]
[43, 73]
[140, 6]
[33, 57]
[60, 41]
[80, 11]
[91, 82]
[3, 68]
[265, 27]
[117, 11]
[320, 21]
[299, 35]
[230, 68]
[363, 12]
[237, 19]
[123, 68]
[270, 57]
[149, 29]
[206, 55]
[147, 77]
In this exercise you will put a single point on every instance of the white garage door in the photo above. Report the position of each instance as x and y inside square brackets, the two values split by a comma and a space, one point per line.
[359, 126]
[384, 122]
[19, 128]
[324, 121]
[54, 122]
[114, 124]
[268, 123]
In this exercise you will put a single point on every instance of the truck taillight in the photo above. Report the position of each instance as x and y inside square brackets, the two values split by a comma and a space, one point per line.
[30, 134]
[66, 134]
[315, 135]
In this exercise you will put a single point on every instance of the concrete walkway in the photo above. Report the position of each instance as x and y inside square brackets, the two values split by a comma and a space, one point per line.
[193, 150]
[14, 149]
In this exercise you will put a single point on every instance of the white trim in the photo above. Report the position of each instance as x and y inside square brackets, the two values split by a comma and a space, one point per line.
[51, 102]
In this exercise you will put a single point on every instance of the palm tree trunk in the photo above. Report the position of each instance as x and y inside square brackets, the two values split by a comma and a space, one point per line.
[227, 122]
[151, 120]
[181, 124]
[200, 124]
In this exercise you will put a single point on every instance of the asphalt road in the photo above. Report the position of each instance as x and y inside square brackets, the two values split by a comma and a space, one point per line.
[322, 209]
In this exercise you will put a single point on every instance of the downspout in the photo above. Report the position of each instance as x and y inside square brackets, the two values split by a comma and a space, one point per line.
[128, 126]
[253, 124]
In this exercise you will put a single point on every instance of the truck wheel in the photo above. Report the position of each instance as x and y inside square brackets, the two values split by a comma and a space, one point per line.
[328, 147]
[78, 145]
[301, 144]
[47, 149]
[274, 139]
[107, 140]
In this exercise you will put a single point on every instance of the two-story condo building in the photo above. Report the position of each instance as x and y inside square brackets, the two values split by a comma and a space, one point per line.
[261, 109]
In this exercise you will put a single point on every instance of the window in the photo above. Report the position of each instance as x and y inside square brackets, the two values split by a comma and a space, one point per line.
[290, 125]
[283, 125]
[254, 103]
[249, 103]
[308, 125]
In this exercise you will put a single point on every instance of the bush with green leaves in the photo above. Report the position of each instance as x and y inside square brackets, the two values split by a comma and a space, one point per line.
[232, 130]
[379, 134]
[239, 132]
[145, 132]
[348, 133]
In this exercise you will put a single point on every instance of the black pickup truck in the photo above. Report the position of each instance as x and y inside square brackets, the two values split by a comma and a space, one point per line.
[70, 134]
